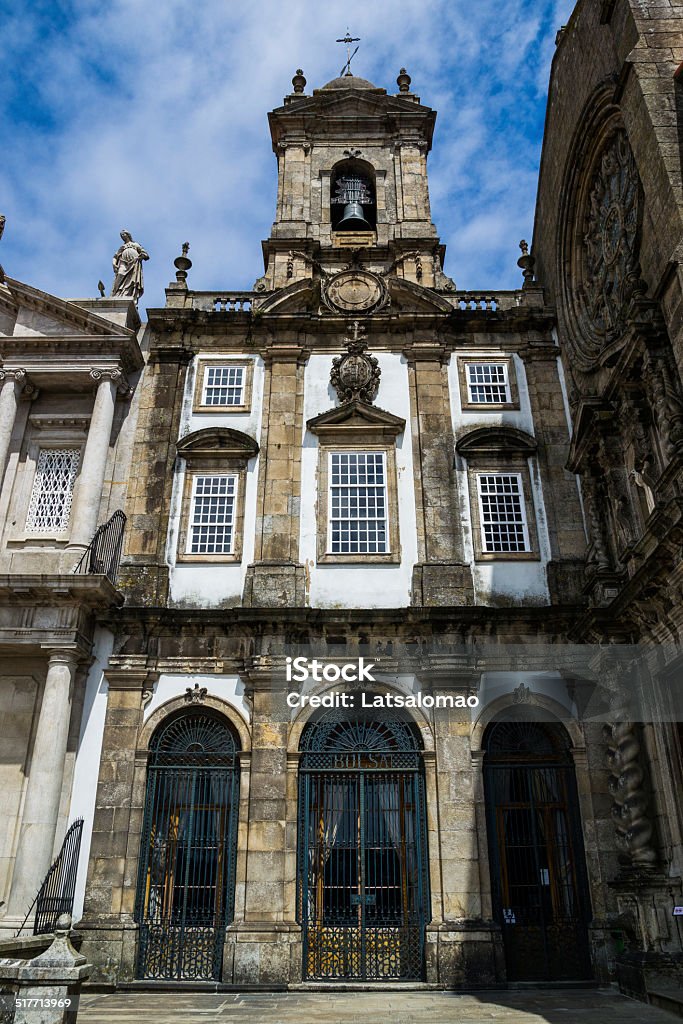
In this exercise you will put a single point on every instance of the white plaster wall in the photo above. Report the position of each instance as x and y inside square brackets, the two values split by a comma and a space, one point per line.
[362, 585]
[227, 688]
[505, 581]
[87, 766]
[202, 585]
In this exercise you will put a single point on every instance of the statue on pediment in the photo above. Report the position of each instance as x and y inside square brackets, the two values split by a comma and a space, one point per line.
[127, 263]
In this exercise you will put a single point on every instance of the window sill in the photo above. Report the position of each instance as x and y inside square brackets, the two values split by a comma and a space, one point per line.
[221, 408]
[507, 556]
[208, 559]
[392, 558]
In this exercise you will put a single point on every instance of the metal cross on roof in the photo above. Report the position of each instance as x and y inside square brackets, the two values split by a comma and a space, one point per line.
[348, 39]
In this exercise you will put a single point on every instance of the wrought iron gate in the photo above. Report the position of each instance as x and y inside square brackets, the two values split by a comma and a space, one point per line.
[186, 879]
[540, 890]
[363, 884]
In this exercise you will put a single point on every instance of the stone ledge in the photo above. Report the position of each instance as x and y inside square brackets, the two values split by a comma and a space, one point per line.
[95, 591]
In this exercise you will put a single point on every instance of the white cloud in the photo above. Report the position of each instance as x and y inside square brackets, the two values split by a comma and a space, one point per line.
[153, 117]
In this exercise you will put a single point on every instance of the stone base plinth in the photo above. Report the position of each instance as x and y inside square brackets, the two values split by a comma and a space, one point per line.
[465, 955]
[442, 584]
[263, 955]
[275, 585]
[110, 947]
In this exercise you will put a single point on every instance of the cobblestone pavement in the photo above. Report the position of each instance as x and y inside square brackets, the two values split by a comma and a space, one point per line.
[586, 1006]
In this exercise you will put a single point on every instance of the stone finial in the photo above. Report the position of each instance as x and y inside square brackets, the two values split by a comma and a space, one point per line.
[127, 263]
[526, 263]
[60, 953]
[403, 81]
[182, 264]
[299, 82]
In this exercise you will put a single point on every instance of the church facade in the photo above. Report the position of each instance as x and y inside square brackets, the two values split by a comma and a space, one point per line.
[327, 721]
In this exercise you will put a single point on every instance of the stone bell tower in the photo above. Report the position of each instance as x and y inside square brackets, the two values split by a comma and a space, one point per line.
[352, 175]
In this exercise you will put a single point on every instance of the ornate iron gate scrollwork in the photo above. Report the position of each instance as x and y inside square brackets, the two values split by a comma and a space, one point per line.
[363, 889]
[186, 880]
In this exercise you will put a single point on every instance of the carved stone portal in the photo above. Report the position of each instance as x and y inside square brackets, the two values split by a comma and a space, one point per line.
[355, 375]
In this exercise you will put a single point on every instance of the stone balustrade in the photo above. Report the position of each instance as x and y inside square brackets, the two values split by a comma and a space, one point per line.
[223, 302]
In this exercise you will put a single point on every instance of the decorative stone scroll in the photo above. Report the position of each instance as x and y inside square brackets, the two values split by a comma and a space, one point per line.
[626, 784]
[356, 374]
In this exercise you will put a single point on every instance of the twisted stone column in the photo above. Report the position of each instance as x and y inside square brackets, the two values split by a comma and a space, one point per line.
[626, 784]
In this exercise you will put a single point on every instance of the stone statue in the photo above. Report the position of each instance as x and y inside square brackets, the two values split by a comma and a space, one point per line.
[127, 263]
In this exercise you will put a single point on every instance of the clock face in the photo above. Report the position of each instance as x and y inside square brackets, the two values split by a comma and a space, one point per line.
[355, 291]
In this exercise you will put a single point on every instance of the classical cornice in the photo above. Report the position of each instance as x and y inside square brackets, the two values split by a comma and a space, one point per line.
[213, 442]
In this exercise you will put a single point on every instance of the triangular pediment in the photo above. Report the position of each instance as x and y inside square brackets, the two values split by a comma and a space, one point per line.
[212, 442]
[38, 313]
[357, 418]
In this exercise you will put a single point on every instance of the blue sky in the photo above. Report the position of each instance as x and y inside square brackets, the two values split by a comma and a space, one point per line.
[152, 117]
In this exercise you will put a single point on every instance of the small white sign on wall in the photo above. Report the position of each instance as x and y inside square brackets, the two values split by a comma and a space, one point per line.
[678, 911]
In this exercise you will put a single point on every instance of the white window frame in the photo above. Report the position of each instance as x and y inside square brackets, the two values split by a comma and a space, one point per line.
[385, 485]
[33, 526]
[497, 474]
[193, 503]
[208, 367]
[469, 382]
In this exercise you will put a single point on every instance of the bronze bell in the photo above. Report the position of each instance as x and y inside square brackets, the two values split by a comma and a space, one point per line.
[354, 193]
[353, 219]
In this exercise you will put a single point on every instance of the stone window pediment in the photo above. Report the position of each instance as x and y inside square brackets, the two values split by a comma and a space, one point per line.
[217, 443]
[357, 420]
[484, 442]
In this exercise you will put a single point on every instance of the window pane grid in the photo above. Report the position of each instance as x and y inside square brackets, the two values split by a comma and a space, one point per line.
[223, 385]
[358, 503]
[487, 383]
[212, 515]
[503, 522]
[53, 486]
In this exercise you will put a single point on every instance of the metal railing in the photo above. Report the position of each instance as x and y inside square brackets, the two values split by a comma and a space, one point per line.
[103, 554]
[56, 894]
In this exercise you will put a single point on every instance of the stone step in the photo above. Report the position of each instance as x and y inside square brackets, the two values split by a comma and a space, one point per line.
[670, 999]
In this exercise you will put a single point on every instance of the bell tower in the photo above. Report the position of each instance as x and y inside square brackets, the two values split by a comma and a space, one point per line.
[352, 175]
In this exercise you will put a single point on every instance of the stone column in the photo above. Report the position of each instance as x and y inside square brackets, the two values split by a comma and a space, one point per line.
[276, 579]
[86, 506]
[41, 807]
[12, 383]
[440, 577]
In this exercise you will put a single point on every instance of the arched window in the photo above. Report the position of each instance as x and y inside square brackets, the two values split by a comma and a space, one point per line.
[353, 199]
[186, 878]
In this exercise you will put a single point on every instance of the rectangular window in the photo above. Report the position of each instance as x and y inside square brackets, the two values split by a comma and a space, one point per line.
[503, 520]
[487, 384]
[53, 487]
[223, 385]
[358, 503]
[212, 515]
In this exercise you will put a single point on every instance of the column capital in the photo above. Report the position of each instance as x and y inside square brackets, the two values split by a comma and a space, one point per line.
[113, 374]
[22, 381]
[298, 354]
[69, 656]
[426, 351]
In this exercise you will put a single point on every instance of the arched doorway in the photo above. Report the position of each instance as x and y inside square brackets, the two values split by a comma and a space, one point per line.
[538, 873]
[363, 890]
[186, 880]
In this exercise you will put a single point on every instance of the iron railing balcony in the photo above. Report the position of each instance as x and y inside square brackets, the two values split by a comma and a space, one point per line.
[103, 554]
